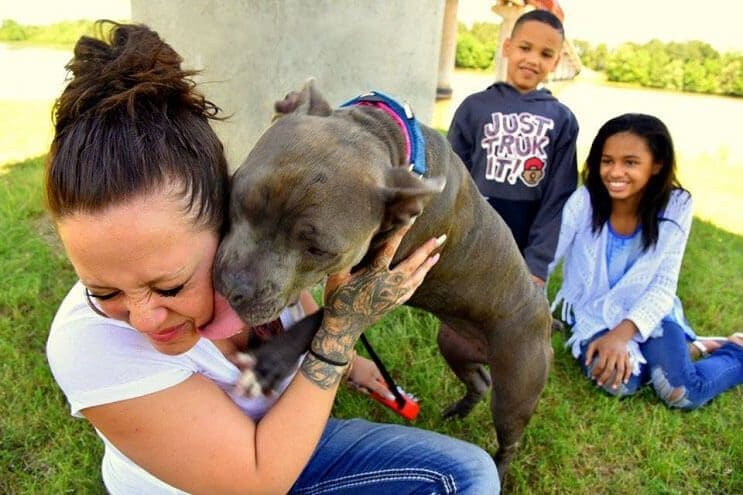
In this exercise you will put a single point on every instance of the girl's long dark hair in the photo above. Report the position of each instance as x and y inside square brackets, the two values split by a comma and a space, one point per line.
[659, 187]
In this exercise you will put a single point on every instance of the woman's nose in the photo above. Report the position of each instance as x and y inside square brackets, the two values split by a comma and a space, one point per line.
[147, 316]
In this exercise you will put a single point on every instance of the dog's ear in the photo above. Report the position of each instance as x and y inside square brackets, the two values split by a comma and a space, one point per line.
[307, 101]
[405, 196]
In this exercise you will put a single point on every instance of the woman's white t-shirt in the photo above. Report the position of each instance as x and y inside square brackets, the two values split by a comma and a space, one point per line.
[97, 361]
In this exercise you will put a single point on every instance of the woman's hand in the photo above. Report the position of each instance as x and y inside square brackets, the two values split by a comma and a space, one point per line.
[613, 356]
[355, 301]
[365, 377]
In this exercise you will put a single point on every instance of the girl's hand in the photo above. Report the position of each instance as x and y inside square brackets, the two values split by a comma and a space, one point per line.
[365, 377]
[613, 356]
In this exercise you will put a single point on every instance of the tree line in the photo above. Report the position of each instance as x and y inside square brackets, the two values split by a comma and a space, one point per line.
[693, 66]
[61, 35]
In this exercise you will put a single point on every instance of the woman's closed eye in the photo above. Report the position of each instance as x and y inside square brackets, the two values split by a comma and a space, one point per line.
[169, 292]
[103, 297]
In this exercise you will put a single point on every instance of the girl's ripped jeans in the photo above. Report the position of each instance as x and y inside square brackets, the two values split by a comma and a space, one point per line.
[676, 379]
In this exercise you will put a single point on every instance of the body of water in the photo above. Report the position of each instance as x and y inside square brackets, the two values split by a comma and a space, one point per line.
[706, 132]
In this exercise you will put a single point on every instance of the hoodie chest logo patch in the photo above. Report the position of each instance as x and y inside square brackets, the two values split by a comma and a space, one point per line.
[516, 147]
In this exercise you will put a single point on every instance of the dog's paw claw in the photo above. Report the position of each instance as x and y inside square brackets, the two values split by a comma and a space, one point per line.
[451, 412]
[243, 360]
[247, 385]
[459, 409]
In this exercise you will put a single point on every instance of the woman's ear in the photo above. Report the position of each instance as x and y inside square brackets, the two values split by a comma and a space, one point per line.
[657, 167]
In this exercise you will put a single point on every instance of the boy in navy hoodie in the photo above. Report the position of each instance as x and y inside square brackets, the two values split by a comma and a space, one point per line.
[518, 142]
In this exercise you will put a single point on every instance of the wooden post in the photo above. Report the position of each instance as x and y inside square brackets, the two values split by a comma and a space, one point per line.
[509, 11]
[448, 52]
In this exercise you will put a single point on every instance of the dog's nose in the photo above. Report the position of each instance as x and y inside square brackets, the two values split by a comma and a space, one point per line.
[240, 288]
[234, 285]
[235, 299]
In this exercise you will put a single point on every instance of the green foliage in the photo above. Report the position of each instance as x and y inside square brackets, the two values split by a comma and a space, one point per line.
[471, 53]
[476, 46]
[12, 31]
[579, 441]
[58, 35]
[590, 56]
[693, 66]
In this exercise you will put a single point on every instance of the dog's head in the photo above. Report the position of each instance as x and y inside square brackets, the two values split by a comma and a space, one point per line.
[310, 199]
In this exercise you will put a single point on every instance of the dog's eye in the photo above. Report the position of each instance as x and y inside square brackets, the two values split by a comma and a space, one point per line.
[317, 252]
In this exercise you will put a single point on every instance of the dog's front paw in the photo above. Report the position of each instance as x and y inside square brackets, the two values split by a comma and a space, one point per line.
[262, 372]
[248, 384]
[266, 366]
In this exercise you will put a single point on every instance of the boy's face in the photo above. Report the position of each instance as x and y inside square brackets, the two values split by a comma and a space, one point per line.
[533, 51]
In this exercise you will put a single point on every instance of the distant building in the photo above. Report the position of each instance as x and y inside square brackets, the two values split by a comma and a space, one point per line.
[509, 11]
[569, 66]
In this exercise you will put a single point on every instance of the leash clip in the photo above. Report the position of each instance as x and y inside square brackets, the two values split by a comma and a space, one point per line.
[408, 111]
[413, 170]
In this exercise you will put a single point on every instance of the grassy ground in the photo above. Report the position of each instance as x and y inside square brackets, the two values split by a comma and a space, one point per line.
[580, 441]
[25, 129]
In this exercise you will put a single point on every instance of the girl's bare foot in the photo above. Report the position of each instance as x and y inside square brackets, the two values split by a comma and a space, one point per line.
[704, 346]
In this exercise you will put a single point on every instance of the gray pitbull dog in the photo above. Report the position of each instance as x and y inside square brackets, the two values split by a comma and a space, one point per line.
[322, 188]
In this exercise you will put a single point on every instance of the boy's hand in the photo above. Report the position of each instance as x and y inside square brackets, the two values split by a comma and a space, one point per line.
[538, 281]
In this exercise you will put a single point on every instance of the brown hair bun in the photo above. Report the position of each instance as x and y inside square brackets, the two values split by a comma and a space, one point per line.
[129, 66]
[129, 121]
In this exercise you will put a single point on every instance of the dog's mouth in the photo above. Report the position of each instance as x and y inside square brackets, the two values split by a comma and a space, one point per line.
[258, 313]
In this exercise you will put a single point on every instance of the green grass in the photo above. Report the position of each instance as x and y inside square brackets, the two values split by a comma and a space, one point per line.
[42, 450]
[25, 129]
[579, 441]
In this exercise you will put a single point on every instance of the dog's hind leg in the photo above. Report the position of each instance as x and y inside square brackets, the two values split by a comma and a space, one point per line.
[464, 359]
[519, 374]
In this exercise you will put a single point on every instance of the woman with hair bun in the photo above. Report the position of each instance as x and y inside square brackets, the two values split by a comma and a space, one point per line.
[136, 184]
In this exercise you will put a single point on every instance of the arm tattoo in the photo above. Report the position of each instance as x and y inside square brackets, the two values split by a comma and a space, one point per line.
[349, 310]
[323, 374]
[363, 302]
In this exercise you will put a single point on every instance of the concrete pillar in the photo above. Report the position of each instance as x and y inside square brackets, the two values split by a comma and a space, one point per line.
[509, 11]
[448, 52]
[253, 52]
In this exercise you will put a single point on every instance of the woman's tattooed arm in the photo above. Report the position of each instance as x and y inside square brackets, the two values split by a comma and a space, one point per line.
[354, 302]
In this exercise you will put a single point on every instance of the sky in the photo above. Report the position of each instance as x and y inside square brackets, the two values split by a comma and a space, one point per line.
[718, 22]
[50, 11]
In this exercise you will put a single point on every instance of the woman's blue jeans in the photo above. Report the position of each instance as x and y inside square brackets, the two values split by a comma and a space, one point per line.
[358, 457]
[669, 367]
